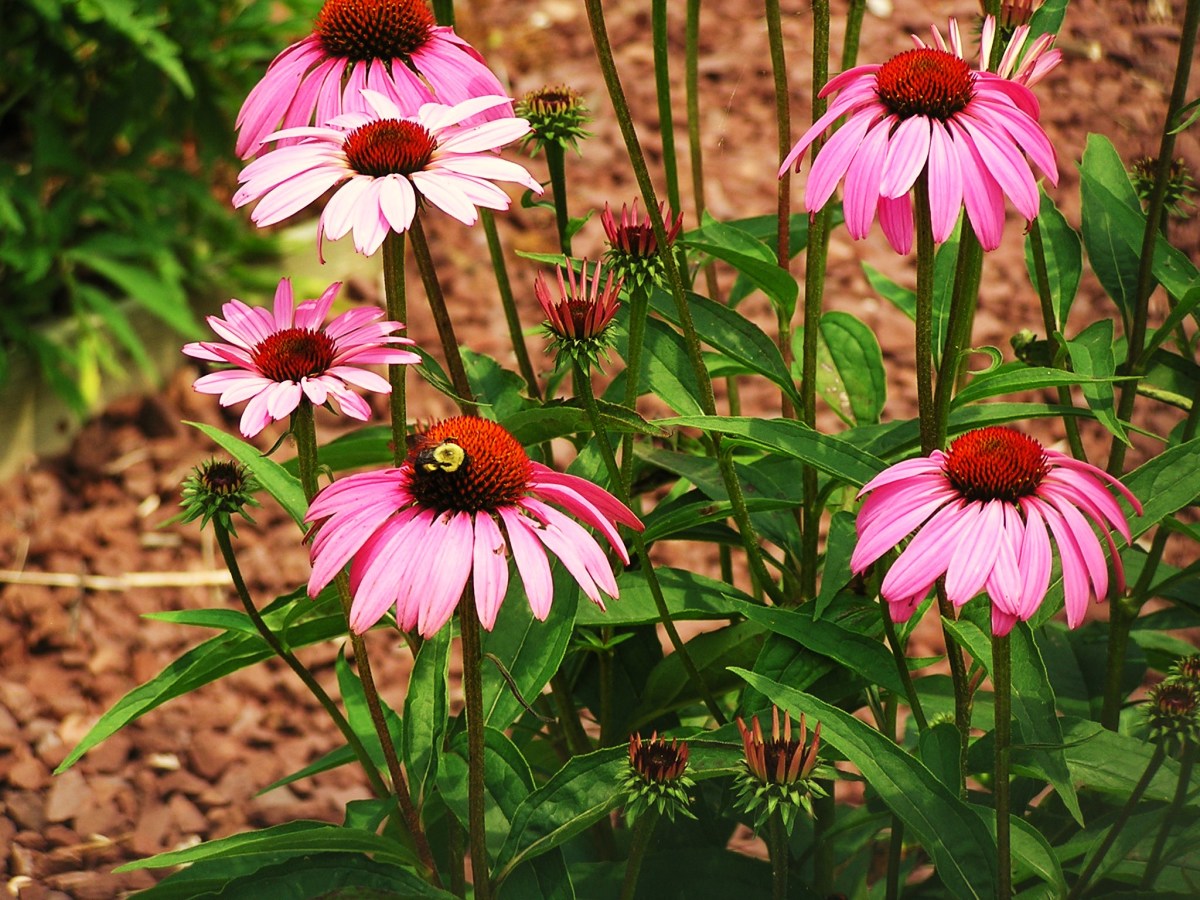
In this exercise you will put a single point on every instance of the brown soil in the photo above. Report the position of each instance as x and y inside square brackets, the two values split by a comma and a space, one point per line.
[190, 770]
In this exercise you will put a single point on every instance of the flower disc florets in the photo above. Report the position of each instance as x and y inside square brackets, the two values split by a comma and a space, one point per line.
[557, 115]
[1173, 714]
[925, 82]
[780, 772]
[468, 464]
[364, 30]
[579, 316]
[389, 147]
[294, 353]
[633, 249]
[655, 779]
[217, 490]
[995, 463]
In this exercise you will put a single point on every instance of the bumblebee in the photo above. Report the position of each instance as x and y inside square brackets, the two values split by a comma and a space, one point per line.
[447, 456]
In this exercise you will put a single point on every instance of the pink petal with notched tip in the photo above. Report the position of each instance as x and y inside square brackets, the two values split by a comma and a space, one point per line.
[579, 506]
[490, 567]
[397, 202]
[293, 195]
[284, 305]
[237, 384]
[363, 378]
[906, 511]
[282, 398]
[441, 193]
[255, 416]
[974, 554]
[315, 390]
[594, 561]
[834, 159]
[982, 196]
[1004, 580]
[1088, 544]
[1061, 460]
[348, 402]
[919, 489]
[1025, 131]
[352, 536]
[849, 101]
[1006, 164]
[945, 183]
[1035, 561]
[378, 570]
[1076, 585]
[862, 179]
[609, 506]
[908, 151]
[927, 555]
[896, 220]
[530, 557]
[570, 556]
[340, 211]
[448, 566]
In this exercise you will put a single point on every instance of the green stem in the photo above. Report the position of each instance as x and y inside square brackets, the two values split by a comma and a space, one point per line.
[1170, 817]
[783, 121]
[695, 149]
[643, 829]
[777, 850]
[443, 11]
[662, 88]
[556, 164]
[962, 687]
[639, 310]
[472, 659]
[854, 21]
[395, 295]
[1081, 884]
[924, 343]
[1135, 364]
[637, 159]
[825, 817]
[509, 303]
[960, 319]
[895, 857]
[910, 691]
[584, 389]
[305, 434]
[441, 317]
[1002, 686]
[377, 785]
[1052, 332]
[568, 716]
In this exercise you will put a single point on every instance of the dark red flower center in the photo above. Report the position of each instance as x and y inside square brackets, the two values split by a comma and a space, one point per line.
[924, 82]
[468, 464]
[389, 147]
[656, 759]
[995, 463]
[294, 354]
[363, 30]
[222, 477]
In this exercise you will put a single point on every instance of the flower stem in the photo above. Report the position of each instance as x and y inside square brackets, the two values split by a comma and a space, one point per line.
[968, 270]
[441, 317]
[777, 850]
[377, 785]
[854, 21]
[637, 159]
[583, 385]
[1081, 883]
[695, 149]
[910, 691]
[924, 343]
[395, 295]
[305, 434]
[1002, 686]
[783, 120]
[639, 309]
[472, 659]
[1052, 333]
[895, 856]
[1171, 816]
[962, 688]
[643, 829]
[662, 88]
[824, 820]
[556, 164]
[1134, 362]
[509, 303]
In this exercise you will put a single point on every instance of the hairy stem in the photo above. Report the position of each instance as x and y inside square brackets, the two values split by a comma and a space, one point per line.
[1002, 686]
[556, 164]
[662, 89]
[643, 829]
[777, 850]
[472, 659]
[395, 296]
[509, 303]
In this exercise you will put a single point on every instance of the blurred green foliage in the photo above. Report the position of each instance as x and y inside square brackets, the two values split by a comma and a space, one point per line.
[116, 163]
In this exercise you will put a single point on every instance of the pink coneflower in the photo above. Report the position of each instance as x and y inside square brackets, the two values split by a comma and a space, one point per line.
[926, 110]
[391, 46]
[465, 499]
[283, 356]
[632, 247]
[387, 162]
[578, 316]
[980, 512]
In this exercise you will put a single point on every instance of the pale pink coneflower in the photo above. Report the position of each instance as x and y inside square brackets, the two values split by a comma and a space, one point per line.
[385, 163]
[466, 499]
[926, 111]
[394, 47]
[982, 514]
[284, 355]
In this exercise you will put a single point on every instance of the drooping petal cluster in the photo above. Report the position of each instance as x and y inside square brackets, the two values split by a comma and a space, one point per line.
[393, 47]
[284, 355]
[987, 515]
[926, 112]
[466, 499]
[386, 163]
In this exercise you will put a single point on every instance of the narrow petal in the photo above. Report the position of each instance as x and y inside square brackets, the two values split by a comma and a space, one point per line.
[491, 569]
[908, 151]
[530, 557]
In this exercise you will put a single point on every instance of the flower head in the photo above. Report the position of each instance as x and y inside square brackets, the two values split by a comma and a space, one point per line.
[217, 490]
[927, 112]
[283, 356]
[394, 47]
[984, 513]
[632, 247]
[557, 115]
[577, 321]
[1173, 713]
[1177, 198]
[780, 771]
[466, 498]
[386, 162]
[655, 778]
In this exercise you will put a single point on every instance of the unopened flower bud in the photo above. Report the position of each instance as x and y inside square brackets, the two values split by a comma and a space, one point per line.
[780, 771]
[216, 490]
[656, 778]
[557, 115]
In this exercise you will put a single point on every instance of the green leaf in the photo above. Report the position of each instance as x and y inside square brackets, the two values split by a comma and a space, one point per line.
[839, 546]
[281, 485]
[1047, 19]
[1091, 353]
[754, 260]
[850, 373]
[426, 713]
[1013, 377]
[290, 839]
[791, 438]
[502, 388]
[366, 446]
[1064, 258]
[666, 370]
[163, 297]
[958, 842]
[689, 595]
[733, 334]
[562, 418]
[530, 651]
[507, 781]
[1164, 484]
[1185, 307]
[685, 514]
[224, 619]
[339, 756]
[1112, 763]
[1104, 187]
[939, 748]
[899, 296]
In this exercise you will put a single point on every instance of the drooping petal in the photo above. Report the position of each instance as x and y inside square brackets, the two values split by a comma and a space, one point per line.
[490, 567]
